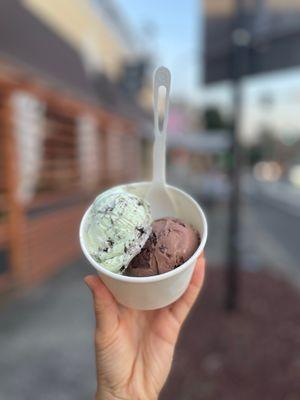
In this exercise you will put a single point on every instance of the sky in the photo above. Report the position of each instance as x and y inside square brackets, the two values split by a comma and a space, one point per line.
[176, 43]
[175, 39]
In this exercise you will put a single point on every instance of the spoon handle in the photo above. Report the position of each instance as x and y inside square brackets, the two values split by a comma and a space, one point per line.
[161, 78]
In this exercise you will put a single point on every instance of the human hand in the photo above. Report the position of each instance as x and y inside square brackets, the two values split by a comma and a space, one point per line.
[134, 349]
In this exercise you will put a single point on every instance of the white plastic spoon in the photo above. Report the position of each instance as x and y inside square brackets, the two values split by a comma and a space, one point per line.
[158, 195]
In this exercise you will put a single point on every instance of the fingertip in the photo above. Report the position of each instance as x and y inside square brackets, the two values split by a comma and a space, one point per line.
[105, 306]
[89, 281]
[95, 284]
[199, 272]
[201, 262]
[99, 290]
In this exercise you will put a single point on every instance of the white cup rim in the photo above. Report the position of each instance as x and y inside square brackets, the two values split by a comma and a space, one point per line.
[154, 278]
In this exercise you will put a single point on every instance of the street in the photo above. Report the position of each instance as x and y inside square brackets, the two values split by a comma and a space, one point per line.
[269, 222]
[275, 209]
[269, 229]
[279, 224]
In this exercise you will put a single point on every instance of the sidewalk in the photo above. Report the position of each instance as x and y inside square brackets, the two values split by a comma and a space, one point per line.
[46, 341]
[283, 194]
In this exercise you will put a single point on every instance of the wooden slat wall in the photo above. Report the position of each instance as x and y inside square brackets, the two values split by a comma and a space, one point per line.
[52, 240]
[4, 193]
[42, 236]
[3, 203]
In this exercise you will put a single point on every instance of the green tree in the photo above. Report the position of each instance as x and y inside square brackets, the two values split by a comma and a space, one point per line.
[213, 119]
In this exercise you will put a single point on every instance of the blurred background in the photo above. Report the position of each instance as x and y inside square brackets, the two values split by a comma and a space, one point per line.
[76, 117]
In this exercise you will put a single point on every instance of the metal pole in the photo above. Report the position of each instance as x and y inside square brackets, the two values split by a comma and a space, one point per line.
[240, 41]
[233, 259]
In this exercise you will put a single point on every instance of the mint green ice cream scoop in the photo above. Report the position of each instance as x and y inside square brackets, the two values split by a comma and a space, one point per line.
[118, 226]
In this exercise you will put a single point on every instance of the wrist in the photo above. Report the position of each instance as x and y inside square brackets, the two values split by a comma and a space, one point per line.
[104, 394]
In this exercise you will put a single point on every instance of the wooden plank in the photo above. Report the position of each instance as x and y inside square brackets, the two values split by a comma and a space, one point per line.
[16, 216]
[3, 233]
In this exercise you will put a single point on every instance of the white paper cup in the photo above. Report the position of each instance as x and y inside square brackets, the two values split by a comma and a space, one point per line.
[157, 291]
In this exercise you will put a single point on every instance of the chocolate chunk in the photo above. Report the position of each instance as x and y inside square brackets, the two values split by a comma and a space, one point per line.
[141, 231]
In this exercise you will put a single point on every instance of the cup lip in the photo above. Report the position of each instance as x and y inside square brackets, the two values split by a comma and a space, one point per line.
[154, 278]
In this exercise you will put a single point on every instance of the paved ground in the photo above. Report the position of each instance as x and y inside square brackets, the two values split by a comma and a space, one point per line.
[47, 350]
[46, 341]
[269, 238]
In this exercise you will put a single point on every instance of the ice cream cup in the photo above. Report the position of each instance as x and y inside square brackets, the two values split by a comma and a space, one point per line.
[149, 293]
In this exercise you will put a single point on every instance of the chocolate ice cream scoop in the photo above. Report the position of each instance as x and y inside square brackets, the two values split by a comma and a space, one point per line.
[171, 243]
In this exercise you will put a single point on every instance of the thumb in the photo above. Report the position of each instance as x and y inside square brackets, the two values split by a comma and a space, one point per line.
[105, 306]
